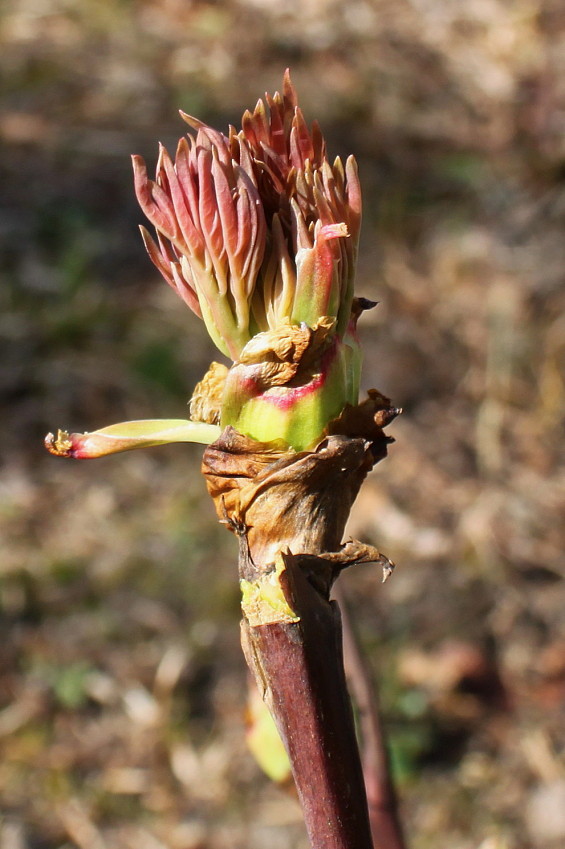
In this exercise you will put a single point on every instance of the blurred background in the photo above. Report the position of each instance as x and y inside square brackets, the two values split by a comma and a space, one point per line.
[122, 685]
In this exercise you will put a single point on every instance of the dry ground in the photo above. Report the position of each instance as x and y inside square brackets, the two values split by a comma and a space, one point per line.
[122, 688]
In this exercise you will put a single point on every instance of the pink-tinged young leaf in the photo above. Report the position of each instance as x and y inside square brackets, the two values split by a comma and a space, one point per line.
[185, 166]
[353, 196]
[193, 122]
[318, 142]
[272, 304]
[260, 124]
[246, 229]
[277, 141]
[251, 238]
[275, 167]
[225, 204]
[156, 256]
[153, 200]
[338, 178]
[248, 129]
[301, 147]
[322, 206]
[289, 92]
[129, 435]
[207, 137]
[166, 261]
[182, 276]
[295, 156]
[318, 277]
[210, 218]
[330, 182]
[241, 152]
[300, 232]
[191, 238]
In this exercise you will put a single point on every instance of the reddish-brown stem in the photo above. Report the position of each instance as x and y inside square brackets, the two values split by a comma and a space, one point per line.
[381, 796]
[299, 667]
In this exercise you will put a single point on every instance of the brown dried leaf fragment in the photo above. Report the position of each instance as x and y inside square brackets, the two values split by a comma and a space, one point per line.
[206, 402]
[367, 420]
[322, 570]
[280, 353]
[279, 500]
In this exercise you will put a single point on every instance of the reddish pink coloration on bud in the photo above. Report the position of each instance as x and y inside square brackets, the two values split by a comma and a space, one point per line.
[235, 215]
[211, 232]
[127, 436]
[318, 284]
[300, 191]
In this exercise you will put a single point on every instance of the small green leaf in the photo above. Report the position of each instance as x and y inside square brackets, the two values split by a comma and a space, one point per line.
[126, 436]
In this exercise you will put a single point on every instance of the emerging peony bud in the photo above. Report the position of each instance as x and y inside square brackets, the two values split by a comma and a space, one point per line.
[258, 233]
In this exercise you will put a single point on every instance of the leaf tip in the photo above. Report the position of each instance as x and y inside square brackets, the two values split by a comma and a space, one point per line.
[60, 445]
